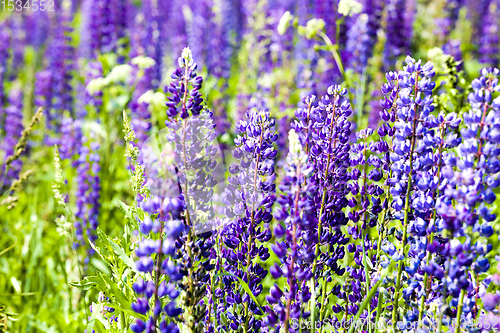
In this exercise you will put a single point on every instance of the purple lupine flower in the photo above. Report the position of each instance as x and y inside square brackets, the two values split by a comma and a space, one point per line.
[104, 22]
[231, 31]
[210, 39]
[146, 39]
[13, 129]
[297, 214]
[53, 89]
[465, 206]
[192, 133]
[400, 17]
[328, 152]
[362, 35]
[490, 36]
[303, 51]
[4, 56]
[185, 218]
[249, 197]
[328, 11]
[408, 105]
[476, 13]
[144, 44]
[366, 177]
[18, 43]
[437, 141]
[37, 27]
[71, 138]
[140, 112]
[183, 100]
[61, 65]
[446, 24]
[87, 198]
[43, 91]
[156, 298]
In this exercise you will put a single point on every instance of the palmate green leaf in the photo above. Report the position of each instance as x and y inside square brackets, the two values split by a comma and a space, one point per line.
[245, 286]
[118, 250]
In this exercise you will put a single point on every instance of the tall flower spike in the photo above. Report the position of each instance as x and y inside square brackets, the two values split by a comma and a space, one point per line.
[4, 57]
[366, 203]
[185, 216]
[160, 228]
[469, 194]
[249, 196]
[296, 213]
[13, 130]
[87, 198]
[409, 155]
[490, 36]
[183, 99]
[363, 35]
[399, 28]
[329, 154]
[53, 89]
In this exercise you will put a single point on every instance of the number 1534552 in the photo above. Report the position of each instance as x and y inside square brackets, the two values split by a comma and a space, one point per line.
[34, 5]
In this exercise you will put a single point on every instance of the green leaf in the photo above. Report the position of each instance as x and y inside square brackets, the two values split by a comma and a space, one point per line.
[98, 251]
[118, 250]
[338, 279]
[245, 286]
[117, 292]
[100, 265]
[126, 209]
[100, 327]
[129, 310]
[89, 282]
[96, 309]
[367, 300]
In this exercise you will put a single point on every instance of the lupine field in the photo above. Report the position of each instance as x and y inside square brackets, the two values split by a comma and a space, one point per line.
[302, 166]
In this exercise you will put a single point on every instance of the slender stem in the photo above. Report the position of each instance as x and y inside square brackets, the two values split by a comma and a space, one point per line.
[320, 222]
[367, 275]
[250, 230]
[441, 312]
[379, 306]
[306, 149]
[186, 195]
[407, 210]
[294, 248]
[346, 311]
[367, 282]
[158, 270]
[431, 236]
[338, 60]
[459, 310]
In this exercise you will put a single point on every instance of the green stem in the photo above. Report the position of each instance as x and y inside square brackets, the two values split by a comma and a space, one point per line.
[431, 236]
[379, 306]
[250, 230]
[367, 282]
[338, 60]
[405, 222]
[459, 309]
[440, 320]
[320, 222]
